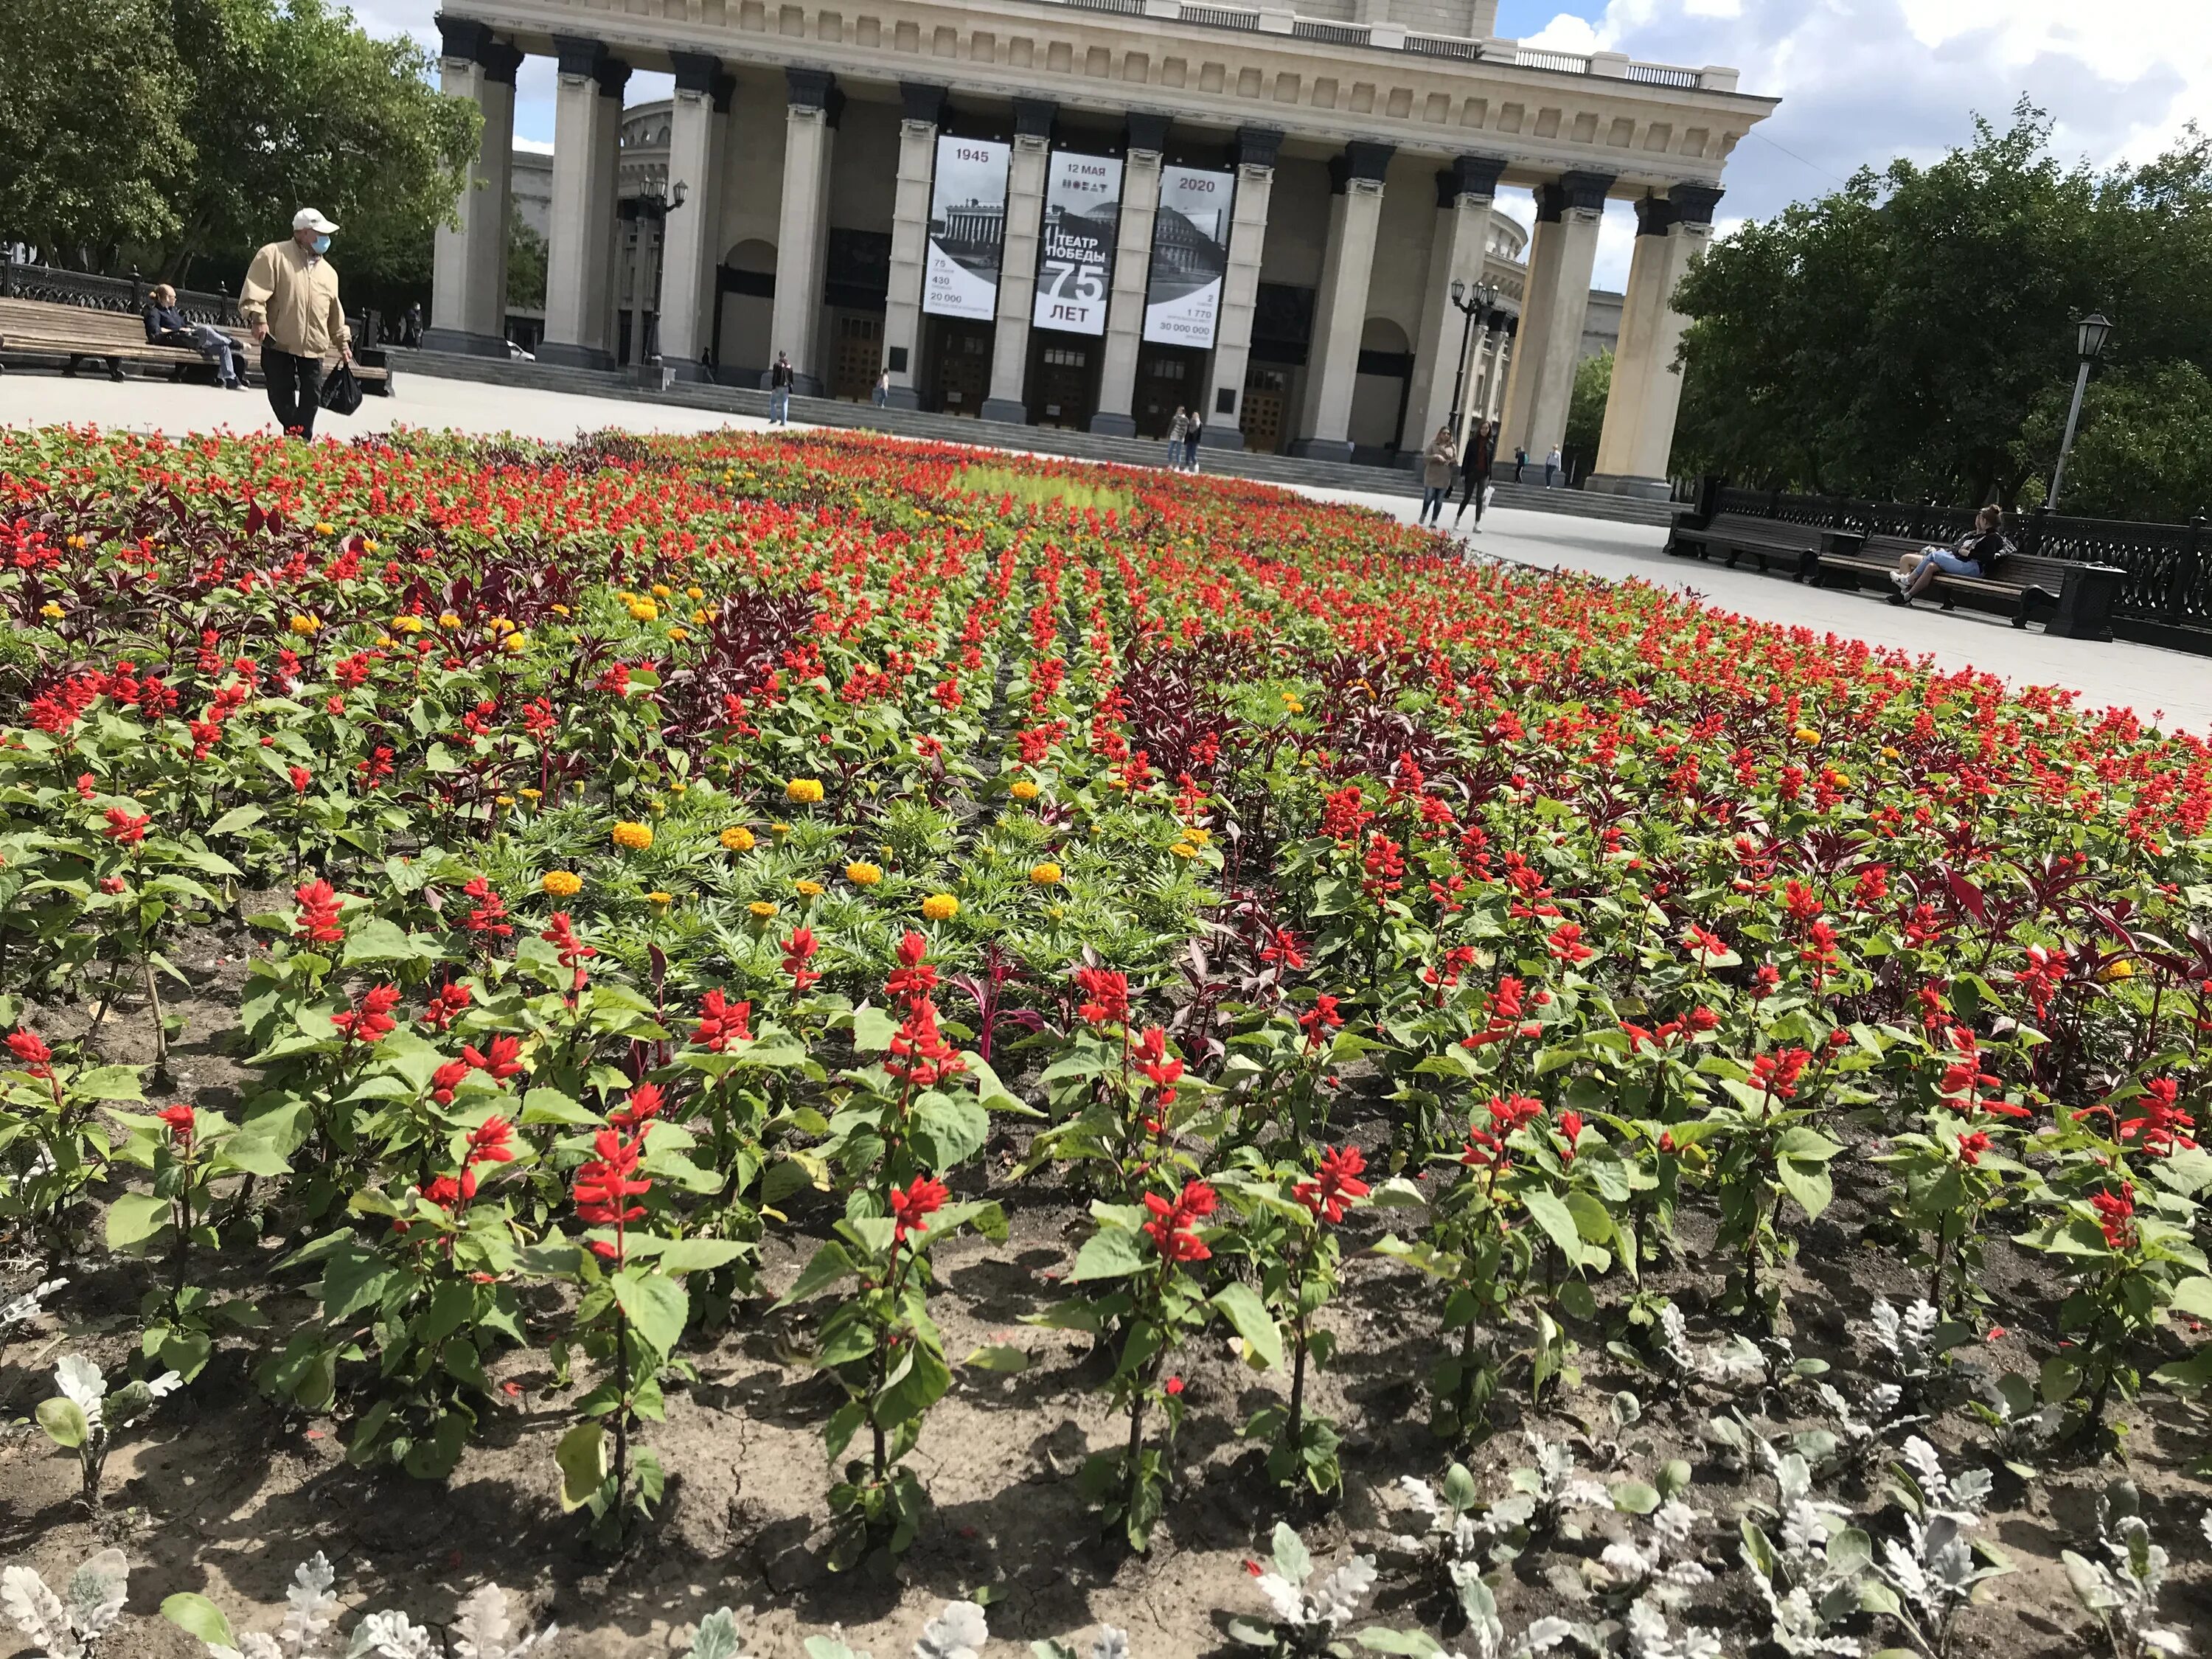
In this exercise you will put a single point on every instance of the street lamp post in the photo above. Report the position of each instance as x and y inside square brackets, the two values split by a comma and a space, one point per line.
[1471, 302]
[653, 207]
[2089, 338]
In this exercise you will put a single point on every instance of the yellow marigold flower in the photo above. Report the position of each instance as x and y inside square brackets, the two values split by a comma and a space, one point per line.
[448, 620]
[1044, 875]
[385, 641]
[560, 610]
[660, 590]
[51, 612]
[326, 529]
[679, 635]
[515, 644]
[940, 907]
[779, 829]
[678, 788]
[736, 838]
[762, 908]
[863, 875]
[1183, 850]
[2121, 970]
[635, 837]
[407, 624]
[1198, 835]
[561, 883]
[658, 900]
[699, 615]
[808, 889]
[695, 591]
[529, 794]
[503, 800]
[303, 625]
[1806, 734]
[369, 544]
[803, 792]
[1888, 753]
[1024, 790]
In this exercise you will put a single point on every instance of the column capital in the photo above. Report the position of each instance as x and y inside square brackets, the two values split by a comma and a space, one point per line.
[1147, 132]
[702, 74]
[1256, 147]
[579, 58]
[1476, 175]
[462, 38]
[923, 102]
[501, 61]
[613, 76]
[813, 89]
[1033, 117]
[1363, 162]
[1584, 192]
[1694, 205]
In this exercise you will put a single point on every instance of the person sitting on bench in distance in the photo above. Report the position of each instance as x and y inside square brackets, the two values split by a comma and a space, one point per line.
[165, 326]
[1974, 554]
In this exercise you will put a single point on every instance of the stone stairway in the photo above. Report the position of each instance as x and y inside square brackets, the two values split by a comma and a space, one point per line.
[990, 435]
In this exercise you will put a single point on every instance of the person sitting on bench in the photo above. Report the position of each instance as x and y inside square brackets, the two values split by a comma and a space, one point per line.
[165, 326]
[1974, 554]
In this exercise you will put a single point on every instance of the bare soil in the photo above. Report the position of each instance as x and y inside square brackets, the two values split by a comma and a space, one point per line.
[223, 1494]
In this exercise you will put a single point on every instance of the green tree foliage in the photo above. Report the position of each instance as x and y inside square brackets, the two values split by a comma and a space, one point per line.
[526, 265]
[92, 136]
[1910, 334]
[2145, 448]
[298, 107]
[1586, 412]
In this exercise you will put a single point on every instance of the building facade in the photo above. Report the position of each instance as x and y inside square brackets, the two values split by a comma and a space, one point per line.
[1090, 212]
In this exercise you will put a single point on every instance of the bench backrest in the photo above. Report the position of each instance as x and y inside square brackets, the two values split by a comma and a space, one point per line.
[1768, 529]
[120, 329]
[2021, 568]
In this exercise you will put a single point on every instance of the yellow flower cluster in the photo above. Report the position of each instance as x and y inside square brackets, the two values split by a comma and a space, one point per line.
[634, 837]
[303, 625]
[863, 875]
[762, 909]
[1044, 875]
[809, 889]
[1024, 790]
[803, 792]
[940, 907]
[561, 883]
[406, 624]
[1806, 734]
[736, 838]
[641, 608]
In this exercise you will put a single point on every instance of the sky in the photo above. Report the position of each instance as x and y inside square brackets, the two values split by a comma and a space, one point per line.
[1861, 81]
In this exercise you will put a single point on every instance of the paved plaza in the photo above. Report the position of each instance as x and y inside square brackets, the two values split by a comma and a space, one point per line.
[2171, 687]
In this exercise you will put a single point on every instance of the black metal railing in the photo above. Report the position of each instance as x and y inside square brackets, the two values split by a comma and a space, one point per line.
[2166, 595]
[93, 292]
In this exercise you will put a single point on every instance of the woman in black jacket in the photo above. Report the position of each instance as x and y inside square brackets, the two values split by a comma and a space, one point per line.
[1974, 554]
[165, 326]
[1481, 455]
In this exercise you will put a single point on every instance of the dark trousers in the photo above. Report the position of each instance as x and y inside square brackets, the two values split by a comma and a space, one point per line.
[295, 386]
[1472, 491]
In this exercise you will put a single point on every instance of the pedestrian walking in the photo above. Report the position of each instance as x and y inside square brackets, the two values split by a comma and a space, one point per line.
[290, 300]
[882, 388]
[410, 326]
[779, 392]
[1178, 429]
[1551, 466]
[1481, 453]
[1520, 460]
[165, 326]
[1190, 437]
[1437, 464]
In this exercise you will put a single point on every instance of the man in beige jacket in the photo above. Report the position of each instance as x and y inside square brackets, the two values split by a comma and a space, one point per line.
[290, 302]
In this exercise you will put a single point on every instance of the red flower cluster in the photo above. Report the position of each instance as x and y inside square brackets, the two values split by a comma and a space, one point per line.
[1776, 1073]
[370, 1020]
[1105, 996]
[317, 920]
[2115, 1215]
[798, 951]
[30, 1053]
[1335, 1186]
[125, 829]
[487, 914]
[183, 1124]
[722, 1022]
[1173, 1226]
[603, 1186]
[921, 1197]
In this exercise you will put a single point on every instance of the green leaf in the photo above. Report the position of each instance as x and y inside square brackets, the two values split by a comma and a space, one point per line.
[1634, 1498]
[136, 1218]
[544, 1105]
[108, 1083]
[1109, 1253]
[64, 1421]
[238, 818]
[1556, 1219]
[830, 1264]
[196, 1616]
[2193, 1297]
[1808, 1184]
[873, 1030]
[1241, 1305]
[956, 1127]
[918, 1384]
[656, 1305]
[694, 1255]
[582, 1455]
[1006, 1359]
[1291, 1559]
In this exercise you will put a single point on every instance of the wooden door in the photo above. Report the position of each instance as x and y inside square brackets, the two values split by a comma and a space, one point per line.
[856, 356]
[1266, 391]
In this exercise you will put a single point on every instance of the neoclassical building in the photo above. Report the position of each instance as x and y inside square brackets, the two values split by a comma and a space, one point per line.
[1088, 212]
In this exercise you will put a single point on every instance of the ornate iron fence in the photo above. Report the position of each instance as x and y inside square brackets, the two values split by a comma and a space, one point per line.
[97, 293]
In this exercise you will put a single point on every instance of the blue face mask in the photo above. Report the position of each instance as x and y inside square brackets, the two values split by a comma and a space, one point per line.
[321, 245]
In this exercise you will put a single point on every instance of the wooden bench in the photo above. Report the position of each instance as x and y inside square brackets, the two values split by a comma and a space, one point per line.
[1793, 546]
[80, 334]
[2073, 601]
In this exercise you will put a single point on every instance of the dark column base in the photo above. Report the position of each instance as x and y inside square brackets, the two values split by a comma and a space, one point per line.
[901, 397]
[1112, 426]
[697, 374]
[564, 356]
[1323, 449]
[1005, 410]
[807, 386]
[1626, 484]
[462, 344]
[1220, 437]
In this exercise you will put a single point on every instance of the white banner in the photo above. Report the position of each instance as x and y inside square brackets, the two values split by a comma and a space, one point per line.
[1190, 257]
[1075, 254]
[967, 229]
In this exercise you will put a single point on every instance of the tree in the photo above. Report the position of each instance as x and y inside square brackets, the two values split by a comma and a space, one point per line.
[1906, 336]
[92, 138]
[2145, 448]
[1586, 411]
[525, 265]
[295, 105]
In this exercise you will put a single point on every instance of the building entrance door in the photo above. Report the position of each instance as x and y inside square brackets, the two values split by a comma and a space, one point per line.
[1167, 377]
[960, 372]
[1063, 381]
[856, 355]
[1267, 391]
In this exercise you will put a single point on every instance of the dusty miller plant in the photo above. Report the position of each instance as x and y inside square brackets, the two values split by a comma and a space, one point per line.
[957, 1632]
[2123, 1597]
[85, 1418]
[1109, 1644]
[1459, 1528]
[75, 1624]
[1938, 1568]
[1811, 1576]
[1732, 1364]
[2023, 1419]
[483, 1628]
[1658, 1562]
[1309, 1618]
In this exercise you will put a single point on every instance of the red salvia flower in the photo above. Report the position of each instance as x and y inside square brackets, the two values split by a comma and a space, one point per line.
[603, 1186]
[913, 978]
[2116, 1215]
[1173, 1226]
[922, 1197]
[1106, 996]
[1335, 1185]
[500, 1061]
[125, 829]
[30, 1053]
[722, 1022]
[370, 1020]
[183, 1123]
[318, 921]
[1161, 1069]
[798, 951]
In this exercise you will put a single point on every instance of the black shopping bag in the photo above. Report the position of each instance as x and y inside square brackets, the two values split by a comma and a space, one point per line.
[341, 393]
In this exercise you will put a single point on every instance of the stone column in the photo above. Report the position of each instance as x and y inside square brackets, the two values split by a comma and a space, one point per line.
[1553, 312]
[802, 238]
[1481, 370]
[1638, 439]
[1240, 285]
[1025, 181]
[1132, 267]
[924, 112]
[468, 282]
[691, 236]
[1340, 308]
[1457, 250]
[1501, 371]
[587, 125]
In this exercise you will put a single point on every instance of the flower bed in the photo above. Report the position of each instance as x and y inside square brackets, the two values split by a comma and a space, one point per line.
[736, 1020]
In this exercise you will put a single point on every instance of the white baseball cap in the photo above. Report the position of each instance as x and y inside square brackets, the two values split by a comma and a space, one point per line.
[310, 219]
